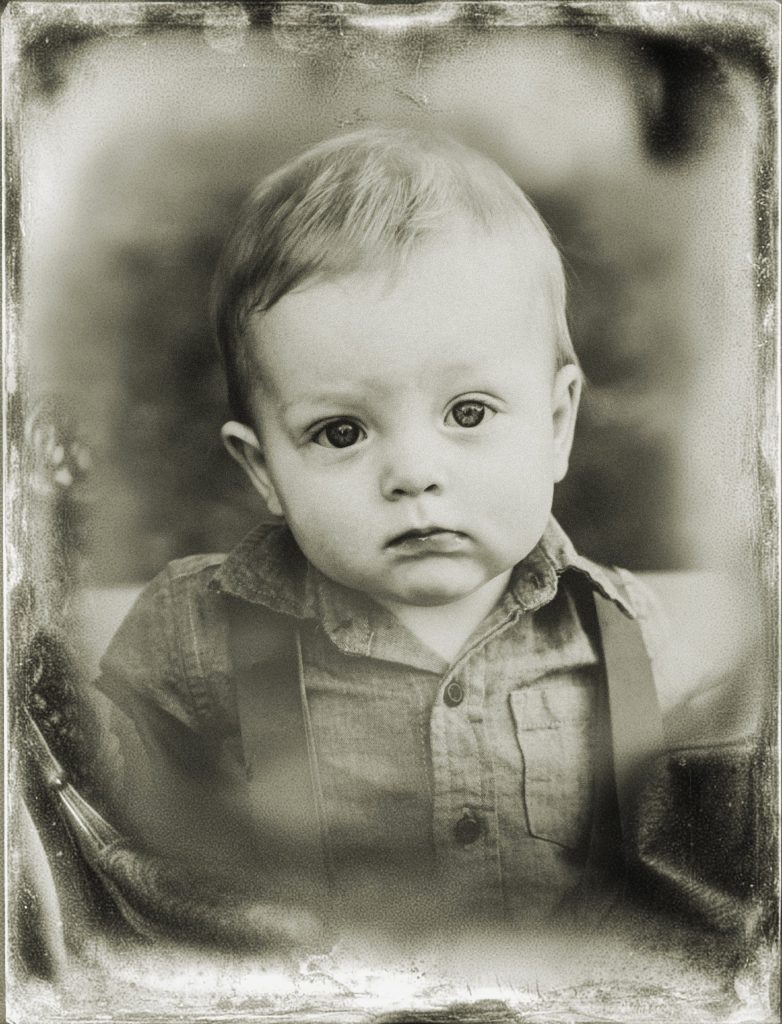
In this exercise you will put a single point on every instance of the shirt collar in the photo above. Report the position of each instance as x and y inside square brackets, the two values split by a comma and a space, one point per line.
[267, 567]
[536, 578]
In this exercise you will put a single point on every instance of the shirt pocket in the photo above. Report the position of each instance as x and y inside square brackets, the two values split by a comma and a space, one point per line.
[555, 727]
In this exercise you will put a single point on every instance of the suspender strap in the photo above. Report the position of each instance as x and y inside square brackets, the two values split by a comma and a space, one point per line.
[636, 722]
[277, 740]
[277, 734]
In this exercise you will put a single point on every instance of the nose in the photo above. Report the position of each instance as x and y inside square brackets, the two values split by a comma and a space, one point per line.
[412, 469]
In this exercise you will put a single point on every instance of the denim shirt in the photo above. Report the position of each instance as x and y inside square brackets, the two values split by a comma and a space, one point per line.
[478, 776]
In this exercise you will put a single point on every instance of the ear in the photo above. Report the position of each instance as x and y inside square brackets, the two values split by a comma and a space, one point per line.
[566, 395]
[243, 445]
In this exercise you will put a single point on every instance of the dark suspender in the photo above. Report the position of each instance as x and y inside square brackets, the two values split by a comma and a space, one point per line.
[624, 740]
[277, 739]
[636, 721]
[277, 744]
[277, 736]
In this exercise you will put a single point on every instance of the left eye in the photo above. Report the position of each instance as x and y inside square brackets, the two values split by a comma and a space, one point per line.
[468, 413]
[339, 434]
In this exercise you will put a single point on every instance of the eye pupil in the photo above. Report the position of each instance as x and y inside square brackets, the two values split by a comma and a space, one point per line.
[341, 434]
[469, 414]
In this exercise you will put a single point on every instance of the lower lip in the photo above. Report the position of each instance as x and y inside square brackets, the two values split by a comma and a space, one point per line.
[444, 543]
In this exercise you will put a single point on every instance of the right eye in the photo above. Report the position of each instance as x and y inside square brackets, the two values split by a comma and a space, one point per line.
[339, 434]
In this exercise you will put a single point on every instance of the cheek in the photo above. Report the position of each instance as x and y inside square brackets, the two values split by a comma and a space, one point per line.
[517, 489]
[521, 465]
[318, 505]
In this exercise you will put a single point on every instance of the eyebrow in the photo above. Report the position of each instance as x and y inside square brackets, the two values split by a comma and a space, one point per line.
[380, 383]
[304, 403]
[358, 393]
[338, 393]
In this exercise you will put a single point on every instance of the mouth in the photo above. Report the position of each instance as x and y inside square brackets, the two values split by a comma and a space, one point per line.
[431, 539]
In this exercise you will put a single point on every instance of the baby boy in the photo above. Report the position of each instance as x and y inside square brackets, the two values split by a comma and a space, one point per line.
[391, 313]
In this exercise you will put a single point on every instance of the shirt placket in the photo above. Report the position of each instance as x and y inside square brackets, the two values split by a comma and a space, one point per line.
[464, 798]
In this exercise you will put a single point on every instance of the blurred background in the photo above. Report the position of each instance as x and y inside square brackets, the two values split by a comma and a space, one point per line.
[644, 132]
[644, 138]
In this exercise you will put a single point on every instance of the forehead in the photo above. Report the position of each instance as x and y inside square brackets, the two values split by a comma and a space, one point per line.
[462, 299]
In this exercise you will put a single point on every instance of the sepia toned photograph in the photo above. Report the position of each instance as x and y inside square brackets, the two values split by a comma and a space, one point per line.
[391, 511]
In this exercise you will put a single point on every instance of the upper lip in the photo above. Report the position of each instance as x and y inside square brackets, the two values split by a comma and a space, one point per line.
[419, 533]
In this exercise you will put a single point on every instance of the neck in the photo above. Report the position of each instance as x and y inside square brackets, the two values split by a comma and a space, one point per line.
[445, 628]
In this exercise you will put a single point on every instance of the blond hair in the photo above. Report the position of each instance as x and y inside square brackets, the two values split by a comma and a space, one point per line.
[364, 201]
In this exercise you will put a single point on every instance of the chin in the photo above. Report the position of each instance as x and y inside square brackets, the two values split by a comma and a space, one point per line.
[429, 600]
[433, 596]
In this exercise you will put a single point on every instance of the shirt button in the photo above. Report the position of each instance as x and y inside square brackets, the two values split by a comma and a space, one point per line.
[467, 829]
[454, 694]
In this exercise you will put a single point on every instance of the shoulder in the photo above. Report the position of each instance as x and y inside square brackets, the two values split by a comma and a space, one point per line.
[167, 604]
[655, 620]
[194, 567]
[665, 608]
[709, 692]
[171, 646]
[639, 601]
[193, 604]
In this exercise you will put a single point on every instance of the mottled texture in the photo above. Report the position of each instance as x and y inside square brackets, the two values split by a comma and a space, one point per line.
[671, 236]
[622, 155]
[397, 763]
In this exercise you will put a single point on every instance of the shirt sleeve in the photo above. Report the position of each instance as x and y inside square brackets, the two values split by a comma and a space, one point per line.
[658, 636]
[142, 665]
[699, 706]
[165, 792]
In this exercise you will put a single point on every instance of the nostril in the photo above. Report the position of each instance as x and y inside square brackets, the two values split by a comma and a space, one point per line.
[403, 491]
[408, 485]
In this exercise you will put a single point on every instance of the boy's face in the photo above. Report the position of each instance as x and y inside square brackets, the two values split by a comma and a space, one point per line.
[412, 427]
